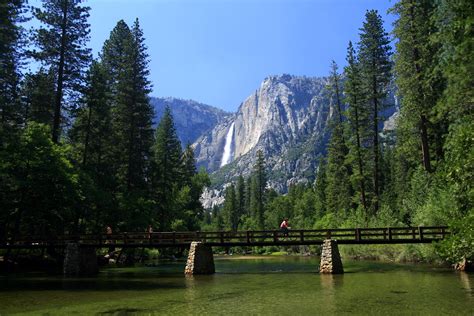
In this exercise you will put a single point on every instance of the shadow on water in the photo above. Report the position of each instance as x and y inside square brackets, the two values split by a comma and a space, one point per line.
[84, 285]
[110, 279]
[126, 311]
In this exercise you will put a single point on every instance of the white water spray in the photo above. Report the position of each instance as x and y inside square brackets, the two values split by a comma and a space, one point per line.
[228, 146]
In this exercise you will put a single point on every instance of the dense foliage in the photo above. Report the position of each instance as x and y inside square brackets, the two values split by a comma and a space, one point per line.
[419, 174]
[78, 151]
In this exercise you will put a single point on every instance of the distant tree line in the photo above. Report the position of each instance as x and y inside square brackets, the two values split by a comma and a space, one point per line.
[78, 151]
[422, 172]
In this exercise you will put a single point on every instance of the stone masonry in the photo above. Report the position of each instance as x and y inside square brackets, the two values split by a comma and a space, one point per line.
[200, 259]
[79, 261]
[330, 258]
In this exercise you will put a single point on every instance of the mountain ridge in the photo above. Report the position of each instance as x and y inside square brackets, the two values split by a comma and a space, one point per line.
[286, 118]
[191, 118]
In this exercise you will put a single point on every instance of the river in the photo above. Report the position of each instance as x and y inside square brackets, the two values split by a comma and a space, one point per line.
[245, 286]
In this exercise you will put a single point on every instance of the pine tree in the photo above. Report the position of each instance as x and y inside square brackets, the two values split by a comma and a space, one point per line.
[320, 189]
[456, 34]
[113, 52]
[188, 165]
[338, 190]
[357, 116]
[91, 137]
[167, 168]
[230, 212]
[11, 58]
[91, 131]
[38, 97]
[62, 47]
[240, 197]
[418, 78]
[258, 188]
[374, 58]
[193, 183]
[126, 61]
[248, 195]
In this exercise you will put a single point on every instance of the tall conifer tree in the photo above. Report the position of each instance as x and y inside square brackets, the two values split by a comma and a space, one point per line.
[456, 34]
[167, 169]
[240, 196]
[338, 190]
[125, 59]
[38, 91]
[320, 185]
[258, 189]
[230, 208]
[133, 112]
[62, 47]
[374, 58]
[11, 58]
[418, 78]
[92, 128]
[357, 116]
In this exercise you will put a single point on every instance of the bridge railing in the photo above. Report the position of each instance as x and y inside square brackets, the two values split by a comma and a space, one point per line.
[229, 238]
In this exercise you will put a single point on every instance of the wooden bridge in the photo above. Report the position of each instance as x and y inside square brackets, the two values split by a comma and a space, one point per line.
[384, 235]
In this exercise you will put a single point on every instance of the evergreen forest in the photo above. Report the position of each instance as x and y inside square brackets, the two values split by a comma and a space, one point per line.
[80, 151]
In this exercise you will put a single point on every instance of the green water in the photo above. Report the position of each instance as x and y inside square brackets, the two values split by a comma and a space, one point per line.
[255, 286]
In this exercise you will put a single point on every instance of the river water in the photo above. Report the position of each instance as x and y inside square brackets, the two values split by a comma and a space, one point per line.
[245, 286]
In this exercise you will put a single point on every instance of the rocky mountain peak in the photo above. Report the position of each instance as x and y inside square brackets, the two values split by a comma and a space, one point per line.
[283, 113]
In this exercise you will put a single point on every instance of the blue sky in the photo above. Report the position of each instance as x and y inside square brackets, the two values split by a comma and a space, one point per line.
[218, 51]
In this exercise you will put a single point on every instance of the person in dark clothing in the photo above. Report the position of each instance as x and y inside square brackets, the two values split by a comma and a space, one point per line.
[108, 232]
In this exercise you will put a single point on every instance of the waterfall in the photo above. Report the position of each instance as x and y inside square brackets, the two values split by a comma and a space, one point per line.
[228, 146]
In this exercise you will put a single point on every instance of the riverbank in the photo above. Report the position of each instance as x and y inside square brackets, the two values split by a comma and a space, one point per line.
[410, 253]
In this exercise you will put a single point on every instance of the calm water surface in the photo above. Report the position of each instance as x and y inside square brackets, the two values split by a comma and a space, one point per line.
[246, 286]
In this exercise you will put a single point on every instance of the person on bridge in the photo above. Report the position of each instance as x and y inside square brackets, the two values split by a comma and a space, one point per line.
[284, 227]
[109, 232]
[149, 230]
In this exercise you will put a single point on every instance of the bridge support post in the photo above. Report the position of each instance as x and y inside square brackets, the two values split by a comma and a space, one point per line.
[79, 261]
[330, 258]
[200, 259]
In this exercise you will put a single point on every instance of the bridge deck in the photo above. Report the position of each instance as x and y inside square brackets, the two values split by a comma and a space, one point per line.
[385, 235]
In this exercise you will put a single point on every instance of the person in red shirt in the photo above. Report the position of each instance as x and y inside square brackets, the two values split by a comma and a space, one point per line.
[284, 227]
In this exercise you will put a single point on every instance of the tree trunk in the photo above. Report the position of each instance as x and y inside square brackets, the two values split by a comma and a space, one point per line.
[376, 144]
[86, 141]
[423, 121]
[359, 159]
[59, 88]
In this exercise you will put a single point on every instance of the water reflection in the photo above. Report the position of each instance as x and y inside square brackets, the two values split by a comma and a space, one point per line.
[330, 284]
[284, 286]
[466, 283]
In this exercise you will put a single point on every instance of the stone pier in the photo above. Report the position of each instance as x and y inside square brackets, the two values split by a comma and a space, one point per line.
[79, 261]
[200, 259]
[330, 258]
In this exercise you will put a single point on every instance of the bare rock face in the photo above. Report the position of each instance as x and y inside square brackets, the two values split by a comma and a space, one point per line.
[286, 118]
[192, 119]
[209, 148]
[211, 197]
